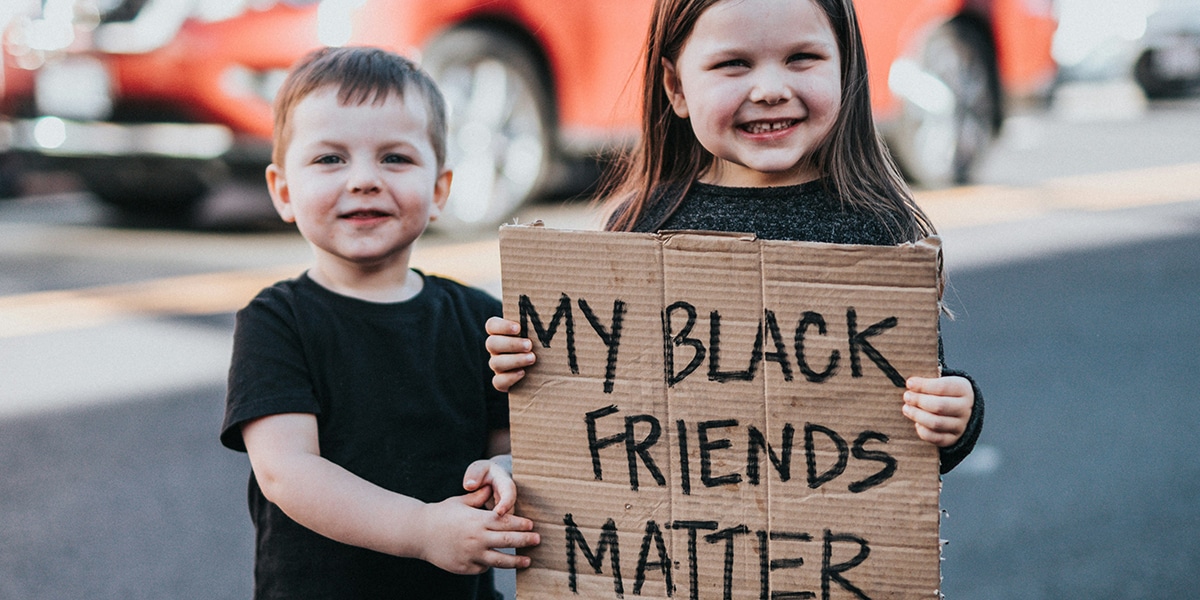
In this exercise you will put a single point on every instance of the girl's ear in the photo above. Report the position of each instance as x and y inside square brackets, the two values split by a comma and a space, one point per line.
[280, 194]
[674, 89]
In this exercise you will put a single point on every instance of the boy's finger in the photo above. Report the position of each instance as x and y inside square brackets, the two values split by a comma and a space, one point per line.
[504, 381]
[475, 474]
[500, 363]
[503, 560]
[517, 539]
[502, 327]
[478, 498]
[504, 344]
[512, 523]
[504, 494]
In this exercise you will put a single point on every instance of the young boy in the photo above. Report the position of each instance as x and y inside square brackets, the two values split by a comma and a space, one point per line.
[360, 389]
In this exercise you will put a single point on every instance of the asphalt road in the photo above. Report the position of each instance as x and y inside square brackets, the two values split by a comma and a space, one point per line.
[1076, 294]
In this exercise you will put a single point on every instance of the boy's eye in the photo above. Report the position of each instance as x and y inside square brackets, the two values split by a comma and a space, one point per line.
[397, 159]
[327, 159]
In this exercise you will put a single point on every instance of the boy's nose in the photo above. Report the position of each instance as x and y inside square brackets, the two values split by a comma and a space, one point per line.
[363, 180]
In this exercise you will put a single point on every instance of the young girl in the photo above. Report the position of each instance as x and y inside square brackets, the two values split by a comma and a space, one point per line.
[757, 118]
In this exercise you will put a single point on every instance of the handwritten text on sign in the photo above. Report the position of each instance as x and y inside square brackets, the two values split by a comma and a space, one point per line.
[717, 417]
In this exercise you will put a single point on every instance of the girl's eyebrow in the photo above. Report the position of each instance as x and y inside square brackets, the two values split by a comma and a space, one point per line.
[735, 46]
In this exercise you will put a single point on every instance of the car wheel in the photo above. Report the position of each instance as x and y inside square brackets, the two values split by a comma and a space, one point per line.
[501, 125]
[1153, 82]
[149, 187]
[950, 113]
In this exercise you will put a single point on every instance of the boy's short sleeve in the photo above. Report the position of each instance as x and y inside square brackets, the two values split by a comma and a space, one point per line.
[267, 374]
[485, 306]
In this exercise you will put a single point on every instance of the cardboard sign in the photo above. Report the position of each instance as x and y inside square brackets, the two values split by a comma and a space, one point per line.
[714, 416]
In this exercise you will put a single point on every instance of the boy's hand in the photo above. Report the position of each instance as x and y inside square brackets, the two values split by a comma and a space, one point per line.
[462, 537]
[489, 474]
[510, 354]
[940, 408]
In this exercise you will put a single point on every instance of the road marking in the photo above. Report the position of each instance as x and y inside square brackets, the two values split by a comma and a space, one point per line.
[211, 293]
[983, 205]
[478, 263]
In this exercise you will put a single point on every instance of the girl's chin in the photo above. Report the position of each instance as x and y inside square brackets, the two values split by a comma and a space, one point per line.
[758, 175]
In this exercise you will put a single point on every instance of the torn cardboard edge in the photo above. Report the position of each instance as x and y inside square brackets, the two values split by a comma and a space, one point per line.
[715, 415]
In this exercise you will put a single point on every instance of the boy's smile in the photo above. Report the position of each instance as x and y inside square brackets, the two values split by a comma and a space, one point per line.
[760, 81]
[361, 181]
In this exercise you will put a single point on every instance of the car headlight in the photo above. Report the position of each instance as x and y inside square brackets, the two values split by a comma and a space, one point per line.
[219, 10]
[156, 23]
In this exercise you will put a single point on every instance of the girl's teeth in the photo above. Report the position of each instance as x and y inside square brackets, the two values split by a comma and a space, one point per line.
[766, 127]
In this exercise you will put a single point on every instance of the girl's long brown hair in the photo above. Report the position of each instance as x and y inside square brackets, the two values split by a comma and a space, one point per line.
[857, 167]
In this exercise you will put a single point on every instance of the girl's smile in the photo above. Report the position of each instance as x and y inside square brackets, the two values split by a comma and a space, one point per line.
[761, 104]
[768, 127]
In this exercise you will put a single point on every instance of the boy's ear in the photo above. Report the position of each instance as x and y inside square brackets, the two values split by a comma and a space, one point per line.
[280, 194]
[441, 193]
[674, 89]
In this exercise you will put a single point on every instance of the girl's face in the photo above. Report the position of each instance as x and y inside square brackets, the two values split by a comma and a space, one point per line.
[760, 81]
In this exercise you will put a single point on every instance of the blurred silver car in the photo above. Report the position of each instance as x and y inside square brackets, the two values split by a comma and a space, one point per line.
[1153, 42]
[1169, 61]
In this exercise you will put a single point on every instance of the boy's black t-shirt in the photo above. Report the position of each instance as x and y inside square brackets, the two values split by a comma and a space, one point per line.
[403, 398]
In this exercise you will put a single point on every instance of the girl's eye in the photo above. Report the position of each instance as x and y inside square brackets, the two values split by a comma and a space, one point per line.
[804, 57]
[733, 63]
[328, 159]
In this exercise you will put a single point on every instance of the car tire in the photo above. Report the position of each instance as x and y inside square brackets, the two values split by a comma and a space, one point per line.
[501, 139]
[938, 148]
[149, 187]
[1153, 83]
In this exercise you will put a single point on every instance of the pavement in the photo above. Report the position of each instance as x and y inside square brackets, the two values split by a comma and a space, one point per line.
[127, 339]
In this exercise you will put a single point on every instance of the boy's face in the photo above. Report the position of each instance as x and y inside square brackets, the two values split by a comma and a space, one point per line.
[361, 182]
[760, 82]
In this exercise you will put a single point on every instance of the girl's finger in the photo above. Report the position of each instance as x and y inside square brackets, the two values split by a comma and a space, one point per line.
[930, 421]
[940, 440]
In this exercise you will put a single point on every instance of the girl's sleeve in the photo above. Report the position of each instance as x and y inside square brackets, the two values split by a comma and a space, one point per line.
[952, 455]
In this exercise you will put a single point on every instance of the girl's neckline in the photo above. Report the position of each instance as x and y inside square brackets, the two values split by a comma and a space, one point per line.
[768, 190]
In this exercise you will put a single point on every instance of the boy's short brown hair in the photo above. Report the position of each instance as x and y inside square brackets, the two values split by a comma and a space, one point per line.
[360, 74]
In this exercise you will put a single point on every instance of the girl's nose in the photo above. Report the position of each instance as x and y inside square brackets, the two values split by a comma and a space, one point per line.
[770, 88]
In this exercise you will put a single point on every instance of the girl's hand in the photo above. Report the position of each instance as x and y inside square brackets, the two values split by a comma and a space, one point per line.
[462, 537]
[489, 474]
[940, 408]
[510, 354]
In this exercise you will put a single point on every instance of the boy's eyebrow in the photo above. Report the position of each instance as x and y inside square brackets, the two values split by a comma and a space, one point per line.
[381, 145]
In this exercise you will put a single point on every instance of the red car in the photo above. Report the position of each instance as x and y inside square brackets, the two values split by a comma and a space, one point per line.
[153, 102]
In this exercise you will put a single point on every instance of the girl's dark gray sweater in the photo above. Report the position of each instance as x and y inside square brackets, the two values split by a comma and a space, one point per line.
[804, 213]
